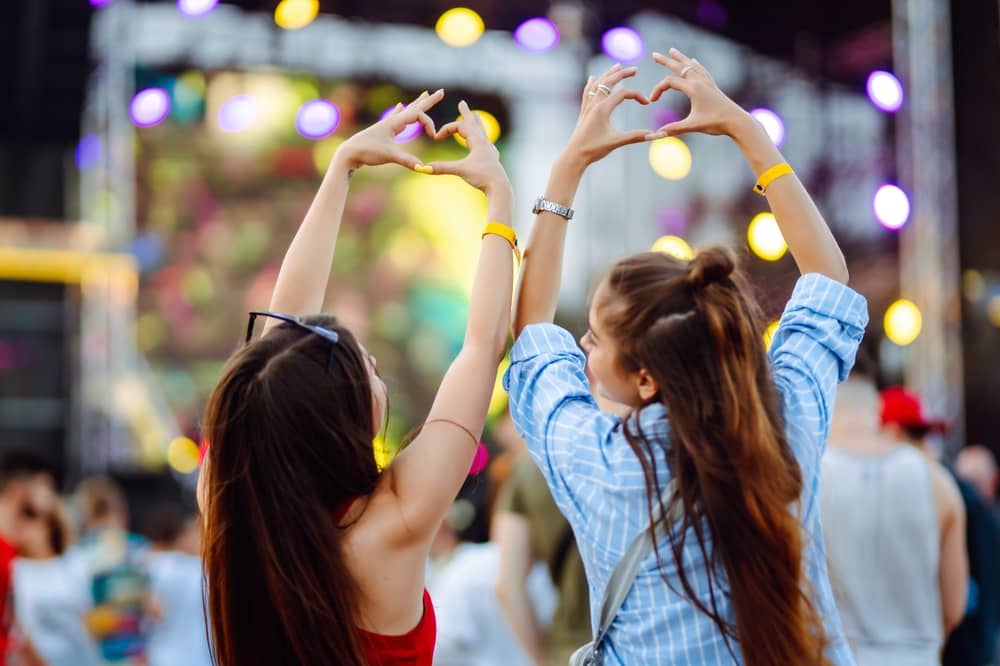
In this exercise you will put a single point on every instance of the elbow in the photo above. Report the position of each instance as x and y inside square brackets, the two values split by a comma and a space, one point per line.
[951, 620]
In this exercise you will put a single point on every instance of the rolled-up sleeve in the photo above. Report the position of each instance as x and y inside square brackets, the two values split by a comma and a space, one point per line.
[813, 350]
[554, 411]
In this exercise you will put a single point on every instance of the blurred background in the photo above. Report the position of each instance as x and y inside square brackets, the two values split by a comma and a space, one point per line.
[156, 158]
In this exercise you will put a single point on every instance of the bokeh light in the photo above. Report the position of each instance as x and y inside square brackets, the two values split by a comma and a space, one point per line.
[238, 113]
[183, 455]
[408, 133]
[295, 14]
[99, 3]
[765, 237]
[670, 158]
[973, 285]
[993, 310]
[675, 246]
[317, 118]
[623, 44]
[187, 96]
[772, 123]
[902, 322]
[769, 333]
[195, 8]
[885, 91]
[537, 35]
[149, 107]
[88, 152]
[460, 27]
[892, 206]
[490, 124]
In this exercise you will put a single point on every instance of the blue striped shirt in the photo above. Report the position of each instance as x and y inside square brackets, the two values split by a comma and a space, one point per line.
[598, 482]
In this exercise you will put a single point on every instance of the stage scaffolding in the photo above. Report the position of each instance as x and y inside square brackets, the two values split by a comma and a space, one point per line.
[925, 154]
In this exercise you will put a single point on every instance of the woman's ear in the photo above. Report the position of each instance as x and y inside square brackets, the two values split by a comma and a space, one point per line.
[646, 385]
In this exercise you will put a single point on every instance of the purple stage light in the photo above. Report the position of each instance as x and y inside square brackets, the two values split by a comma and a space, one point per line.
[409, 133]
[772, 123]
[885, 91]
[99, 3]
[537, 35]
[623, 44]
[317, 119]
[892, 207]
[196, 8]
[149, 107]
[663, 115]
[238, 113]
[88, 152]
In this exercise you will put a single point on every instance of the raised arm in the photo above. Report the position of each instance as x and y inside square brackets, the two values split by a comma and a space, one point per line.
[427, 475]
[305, 270]
[592, 139]
[809, 238]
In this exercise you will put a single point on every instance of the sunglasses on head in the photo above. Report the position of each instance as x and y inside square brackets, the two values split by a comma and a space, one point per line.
[332, 336]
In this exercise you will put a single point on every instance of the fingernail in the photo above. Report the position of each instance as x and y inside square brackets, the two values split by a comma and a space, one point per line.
[439, 90]
[423, 168]
[399, 106]
[657, 53]
[617, 65]
[424, 94]
[655, 135]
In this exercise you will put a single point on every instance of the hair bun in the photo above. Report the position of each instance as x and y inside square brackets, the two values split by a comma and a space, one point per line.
[710, 266]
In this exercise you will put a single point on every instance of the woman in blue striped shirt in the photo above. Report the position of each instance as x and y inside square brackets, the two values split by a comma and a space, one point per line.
[741, 576]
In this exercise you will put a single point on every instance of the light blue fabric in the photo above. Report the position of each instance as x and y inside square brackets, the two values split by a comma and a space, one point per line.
[598, 483]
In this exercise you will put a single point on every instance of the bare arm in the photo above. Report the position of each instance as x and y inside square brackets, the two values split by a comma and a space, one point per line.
[427, 475]
[305, 270]
[592, 139]
[953, 574]
[809, 238]
[513, 538]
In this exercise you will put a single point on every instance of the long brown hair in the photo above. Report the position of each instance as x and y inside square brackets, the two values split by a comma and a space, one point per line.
[694, 327]
[290, 443]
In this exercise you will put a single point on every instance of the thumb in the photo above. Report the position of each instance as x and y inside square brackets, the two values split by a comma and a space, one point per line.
[636, 136]
[403, 158]
[448, 168]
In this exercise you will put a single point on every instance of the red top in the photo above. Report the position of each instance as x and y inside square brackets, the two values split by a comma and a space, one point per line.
[414, 648]
[7, 555]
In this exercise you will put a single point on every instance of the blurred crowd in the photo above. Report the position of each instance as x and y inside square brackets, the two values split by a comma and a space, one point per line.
[911, 540]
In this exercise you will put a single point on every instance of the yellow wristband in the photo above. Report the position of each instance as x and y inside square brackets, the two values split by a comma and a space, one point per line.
[771, 175]
[506, 233]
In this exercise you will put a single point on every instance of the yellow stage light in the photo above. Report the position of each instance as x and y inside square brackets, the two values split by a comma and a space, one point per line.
[902, 322]
[675, 246]
[460, 27]
[182, 455]
[670, 158]
[490, 124]
[765, 238]
[769, 333]
[295, 14]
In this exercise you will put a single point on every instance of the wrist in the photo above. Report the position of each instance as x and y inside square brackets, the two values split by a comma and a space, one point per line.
[498, 188]
[344, 162]
[743, 127]
[570, 163]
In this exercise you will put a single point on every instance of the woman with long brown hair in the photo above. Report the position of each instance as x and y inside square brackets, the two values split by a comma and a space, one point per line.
[314, 556]
[724, 437]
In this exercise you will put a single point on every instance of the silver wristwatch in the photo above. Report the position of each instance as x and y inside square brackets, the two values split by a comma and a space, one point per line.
[552, 207]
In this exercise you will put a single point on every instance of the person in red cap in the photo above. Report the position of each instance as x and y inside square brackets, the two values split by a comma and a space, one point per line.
[974, 640]
[902, 416]
[894, 526]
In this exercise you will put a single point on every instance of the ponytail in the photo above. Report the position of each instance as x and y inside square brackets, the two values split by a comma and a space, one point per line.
[694, 329]
[291, 442]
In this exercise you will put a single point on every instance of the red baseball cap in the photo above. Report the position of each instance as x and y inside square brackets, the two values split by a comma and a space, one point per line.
[903, 408]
